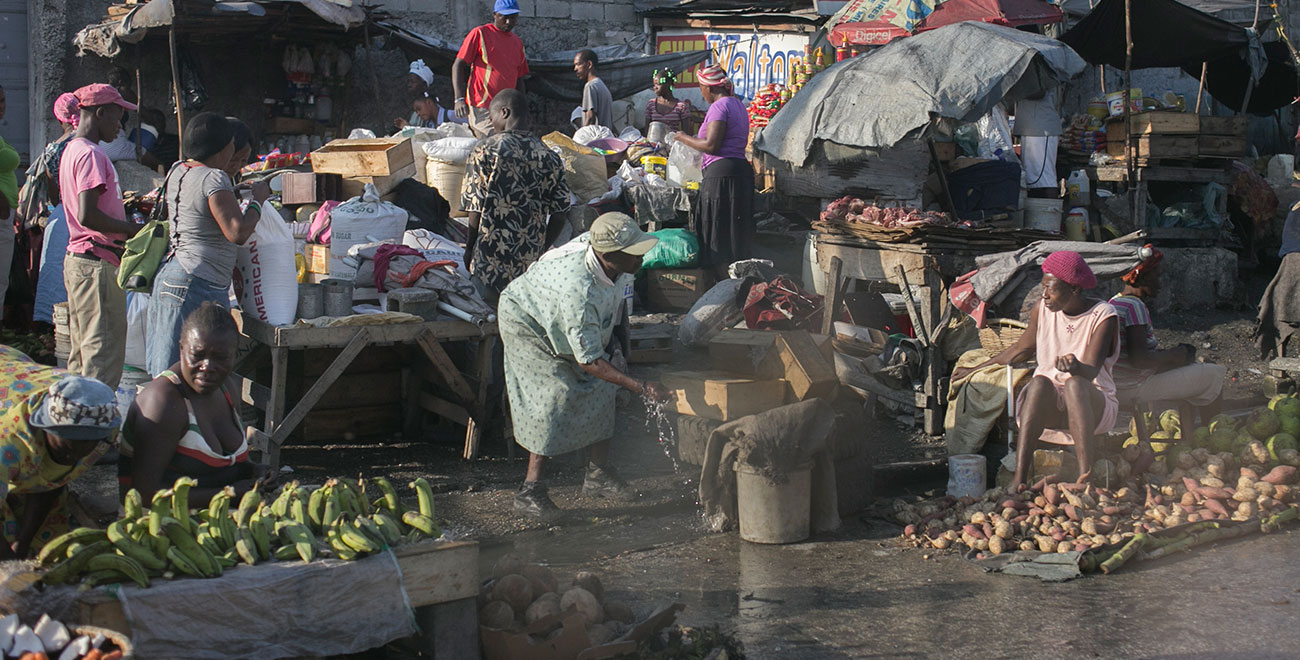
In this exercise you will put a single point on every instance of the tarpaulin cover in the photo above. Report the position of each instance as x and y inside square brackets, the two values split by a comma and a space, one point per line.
[1166, 33]
[624, 70]
[1220, 8]
[277, 610]
[872, 102]
[1226, 78]
[1013, 13]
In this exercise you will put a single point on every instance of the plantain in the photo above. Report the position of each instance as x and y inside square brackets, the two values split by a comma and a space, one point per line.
[259, 525]
[341, 549]
[333, 507]
[181, 563]
[316, 508]
[391, 501]
[181, 502]
[75, 564]
[356, 539]
[280, 507]
[124, 565]
[245, 546]
[424, 492]
[250, 502]
[57, 548]
[157, 537]
[300, 538]
[96, 578]
[226, 562]
[285, 553]
[132, 505]
[204, 538]
[347, 499]
[368, 527]
[298, 511]
[180, 539]
[121, 539]
[421, 523]
[388, 527]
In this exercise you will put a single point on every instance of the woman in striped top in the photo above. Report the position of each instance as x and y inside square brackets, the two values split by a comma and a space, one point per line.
[664, 107]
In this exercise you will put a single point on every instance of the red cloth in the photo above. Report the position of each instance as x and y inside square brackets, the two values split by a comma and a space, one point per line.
[781, 305]
[418, 270]
[498, 62]
[962, 295]
[385, 254]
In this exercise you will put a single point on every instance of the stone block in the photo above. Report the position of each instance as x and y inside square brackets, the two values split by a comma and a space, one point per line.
[552, 8]
[620, 14]
[588, 11]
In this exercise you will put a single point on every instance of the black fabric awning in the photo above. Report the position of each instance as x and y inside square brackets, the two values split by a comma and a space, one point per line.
[679, 8]
[1166, 33]
[1225, 80]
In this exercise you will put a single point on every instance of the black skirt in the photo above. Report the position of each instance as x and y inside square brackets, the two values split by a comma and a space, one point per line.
[725, 220]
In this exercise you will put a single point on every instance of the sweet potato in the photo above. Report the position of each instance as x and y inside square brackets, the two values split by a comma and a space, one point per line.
[1215, 493]
[973, 530]
[1282, 474]
[1216, 506]
[1051, 493]
[987, 528]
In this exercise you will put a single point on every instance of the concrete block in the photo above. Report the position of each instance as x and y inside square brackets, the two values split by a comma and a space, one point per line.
[620, 14]
[1197, 278]
[552, 8]
[588, 11]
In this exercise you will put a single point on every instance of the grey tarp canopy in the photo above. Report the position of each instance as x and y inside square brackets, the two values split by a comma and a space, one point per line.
[625, 70]
[872, 102]
[212, 15]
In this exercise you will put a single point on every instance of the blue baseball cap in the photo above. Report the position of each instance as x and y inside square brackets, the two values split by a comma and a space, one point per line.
[506, 7]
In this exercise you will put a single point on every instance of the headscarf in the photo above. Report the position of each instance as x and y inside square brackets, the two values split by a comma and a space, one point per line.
[1152, 259]
[714, 76]
[664, 76]
[422, 70]
[1069, 267]
[67, 110]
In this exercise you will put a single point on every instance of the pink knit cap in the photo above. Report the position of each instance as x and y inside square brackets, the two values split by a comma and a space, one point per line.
[1069, 267]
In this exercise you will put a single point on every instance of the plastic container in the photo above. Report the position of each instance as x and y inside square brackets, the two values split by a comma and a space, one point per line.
[655, 165]
[1043, 214]
[311, 300]
[772, 512]
[1280, 168]
[1078, 189]
[1076, 224]
[967, 475]
[1098, 110]
[338, 297]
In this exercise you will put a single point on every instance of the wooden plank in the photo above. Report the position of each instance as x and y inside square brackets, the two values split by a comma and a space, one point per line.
[444, 367]
[365, 157]
[275, 407]
[1285, 364]
[1234, 126]
[1158, 146]
[250, 392]
[297, 337]
[444, 408]
[1218, 145]
[483, 371]
[317, 390]
[353, 186]
[373, 359]
[1154, 123]
[433, 572]
[833, 278]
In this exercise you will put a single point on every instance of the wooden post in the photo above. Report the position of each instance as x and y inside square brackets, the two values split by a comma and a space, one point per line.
[139, 102]
[833, 297]
[370, 58]
[1128, 113]
[1200, 90]
[1250, 84]
[176, 90]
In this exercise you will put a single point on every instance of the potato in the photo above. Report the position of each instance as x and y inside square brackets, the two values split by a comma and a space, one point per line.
[1027, 545]
[1046, 543]
[586, 604]
[548, 604]
[600, 634]
[498, 615]
[940, 543]
[996, 545]
[1245, 495]
[591, 582]
[507, 565]
[541, 578]
[1264, 488]
[515, 590]
[978, 518]
[1002, 529]
[1212, 482]
[1064, 546]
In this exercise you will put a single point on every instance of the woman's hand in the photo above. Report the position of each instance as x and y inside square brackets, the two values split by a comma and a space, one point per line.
[261, 190]
[461, 108]
[399, 123]
[961, 372]
[1068, 363]
[657, 392]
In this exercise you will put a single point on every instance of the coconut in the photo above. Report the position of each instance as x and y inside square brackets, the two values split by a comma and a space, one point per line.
[497, 614]
[541, 578]
[515, 590]
[548, 604]
[510, 563]
[585, 603]
[591, 582]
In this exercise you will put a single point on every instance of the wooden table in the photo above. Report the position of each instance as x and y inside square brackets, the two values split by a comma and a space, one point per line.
[1142, 175]
[927, 271]
[467, 407]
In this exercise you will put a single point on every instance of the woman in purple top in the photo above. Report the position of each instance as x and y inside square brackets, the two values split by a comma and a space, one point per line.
[725, 219]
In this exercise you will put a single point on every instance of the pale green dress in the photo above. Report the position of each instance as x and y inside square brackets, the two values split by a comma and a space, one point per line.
[559, 314]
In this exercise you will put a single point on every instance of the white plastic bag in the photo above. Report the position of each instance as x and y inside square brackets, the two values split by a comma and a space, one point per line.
[586, 134]
[453, 150]
[683, 164]
[267, 271]
[363, 219]
[995, 135]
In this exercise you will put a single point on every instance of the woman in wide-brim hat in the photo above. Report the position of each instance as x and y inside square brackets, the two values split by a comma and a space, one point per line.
[53, 427]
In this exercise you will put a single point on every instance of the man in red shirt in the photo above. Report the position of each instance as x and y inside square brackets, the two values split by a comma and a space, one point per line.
[491, 59]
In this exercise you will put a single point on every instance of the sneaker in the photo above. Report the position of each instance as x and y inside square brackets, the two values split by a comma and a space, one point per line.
[533, 502]
[604, 482]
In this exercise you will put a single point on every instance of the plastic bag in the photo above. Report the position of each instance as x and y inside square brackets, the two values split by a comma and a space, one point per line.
[363, 219]
[587, 134]
[453, 150]
[435, 247]
[710, 312]
[584, 169]
[267, 271]
[995, 135]
[677, 248]
[683, 164]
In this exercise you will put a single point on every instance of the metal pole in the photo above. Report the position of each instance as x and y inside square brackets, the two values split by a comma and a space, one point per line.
[176, 90]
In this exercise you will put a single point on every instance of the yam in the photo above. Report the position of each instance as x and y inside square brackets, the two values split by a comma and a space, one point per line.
[541, 578]
[548, 604]
[1245, 495]
[997, 545]
[585, 603]
[591, 582]
[1282, 474]
[617, 610]
[1027, 545]
[497, 615]
[515, 590]
[510, 564]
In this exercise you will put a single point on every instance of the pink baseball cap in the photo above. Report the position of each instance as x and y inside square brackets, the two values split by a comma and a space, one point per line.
[101, 94]
[1069, 267]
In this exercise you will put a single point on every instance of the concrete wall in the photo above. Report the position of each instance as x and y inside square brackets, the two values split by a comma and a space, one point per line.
[236, 78]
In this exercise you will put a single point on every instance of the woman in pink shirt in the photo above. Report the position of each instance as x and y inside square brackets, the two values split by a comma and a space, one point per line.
[1075, 341]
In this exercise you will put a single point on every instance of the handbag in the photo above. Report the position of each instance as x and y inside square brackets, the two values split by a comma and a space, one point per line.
[144, 253]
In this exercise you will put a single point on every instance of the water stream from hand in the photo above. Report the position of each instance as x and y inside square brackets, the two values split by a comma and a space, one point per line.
[659, 425]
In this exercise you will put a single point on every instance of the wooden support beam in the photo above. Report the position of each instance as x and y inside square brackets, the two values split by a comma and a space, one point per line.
[445, 368]
[835, 298]
[317, 390]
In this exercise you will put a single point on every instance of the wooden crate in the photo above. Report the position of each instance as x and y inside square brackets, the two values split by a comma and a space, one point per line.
[721, 396]
[1232, 126]
[753, 352]
[805, 368]
[1155, 123]
[1222, 146]
[309, 187]
[353, 186]
[650, 345]
[366, 157]
[1158, 146]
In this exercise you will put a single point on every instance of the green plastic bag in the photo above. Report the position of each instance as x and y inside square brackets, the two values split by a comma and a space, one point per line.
[144, 255]
[677, 248]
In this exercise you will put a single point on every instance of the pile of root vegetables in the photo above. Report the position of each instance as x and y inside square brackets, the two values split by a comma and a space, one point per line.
[521, 594]
[1205, 496]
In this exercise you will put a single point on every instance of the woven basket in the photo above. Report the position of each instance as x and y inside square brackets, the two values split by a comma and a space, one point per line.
[1000, 334]
[115, 639]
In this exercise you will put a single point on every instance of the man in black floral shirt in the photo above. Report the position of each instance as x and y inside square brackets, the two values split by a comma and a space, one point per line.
[512, 183]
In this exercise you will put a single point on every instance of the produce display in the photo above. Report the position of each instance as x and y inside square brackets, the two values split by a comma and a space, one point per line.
[49, 639]
[521, 593]
[1224, 480]
[856, 211]
[766, 102]
[343, 519]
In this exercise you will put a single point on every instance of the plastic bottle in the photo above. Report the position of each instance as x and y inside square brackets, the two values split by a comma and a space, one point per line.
[1078, 188]
[1076, 224]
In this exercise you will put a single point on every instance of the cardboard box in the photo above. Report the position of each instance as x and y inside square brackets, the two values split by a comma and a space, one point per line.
[367, 157]
[806, 369]
[721, 396]
[752, 352]
[318, 258]
[676, 289]
[353, 186]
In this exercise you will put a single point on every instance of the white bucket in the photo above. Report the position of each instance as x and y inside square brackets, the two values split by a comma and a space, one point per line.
[773, 512]
[1043, 214]
[967, 475]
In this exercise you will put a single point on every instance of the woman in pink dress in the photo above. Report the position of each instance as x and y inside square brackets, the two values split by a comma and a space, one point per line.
[1076, 342]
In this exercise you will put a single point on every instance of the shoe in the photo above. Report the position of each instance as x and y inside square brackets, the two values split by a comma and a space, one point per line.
[533, 502]
[605, 482]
